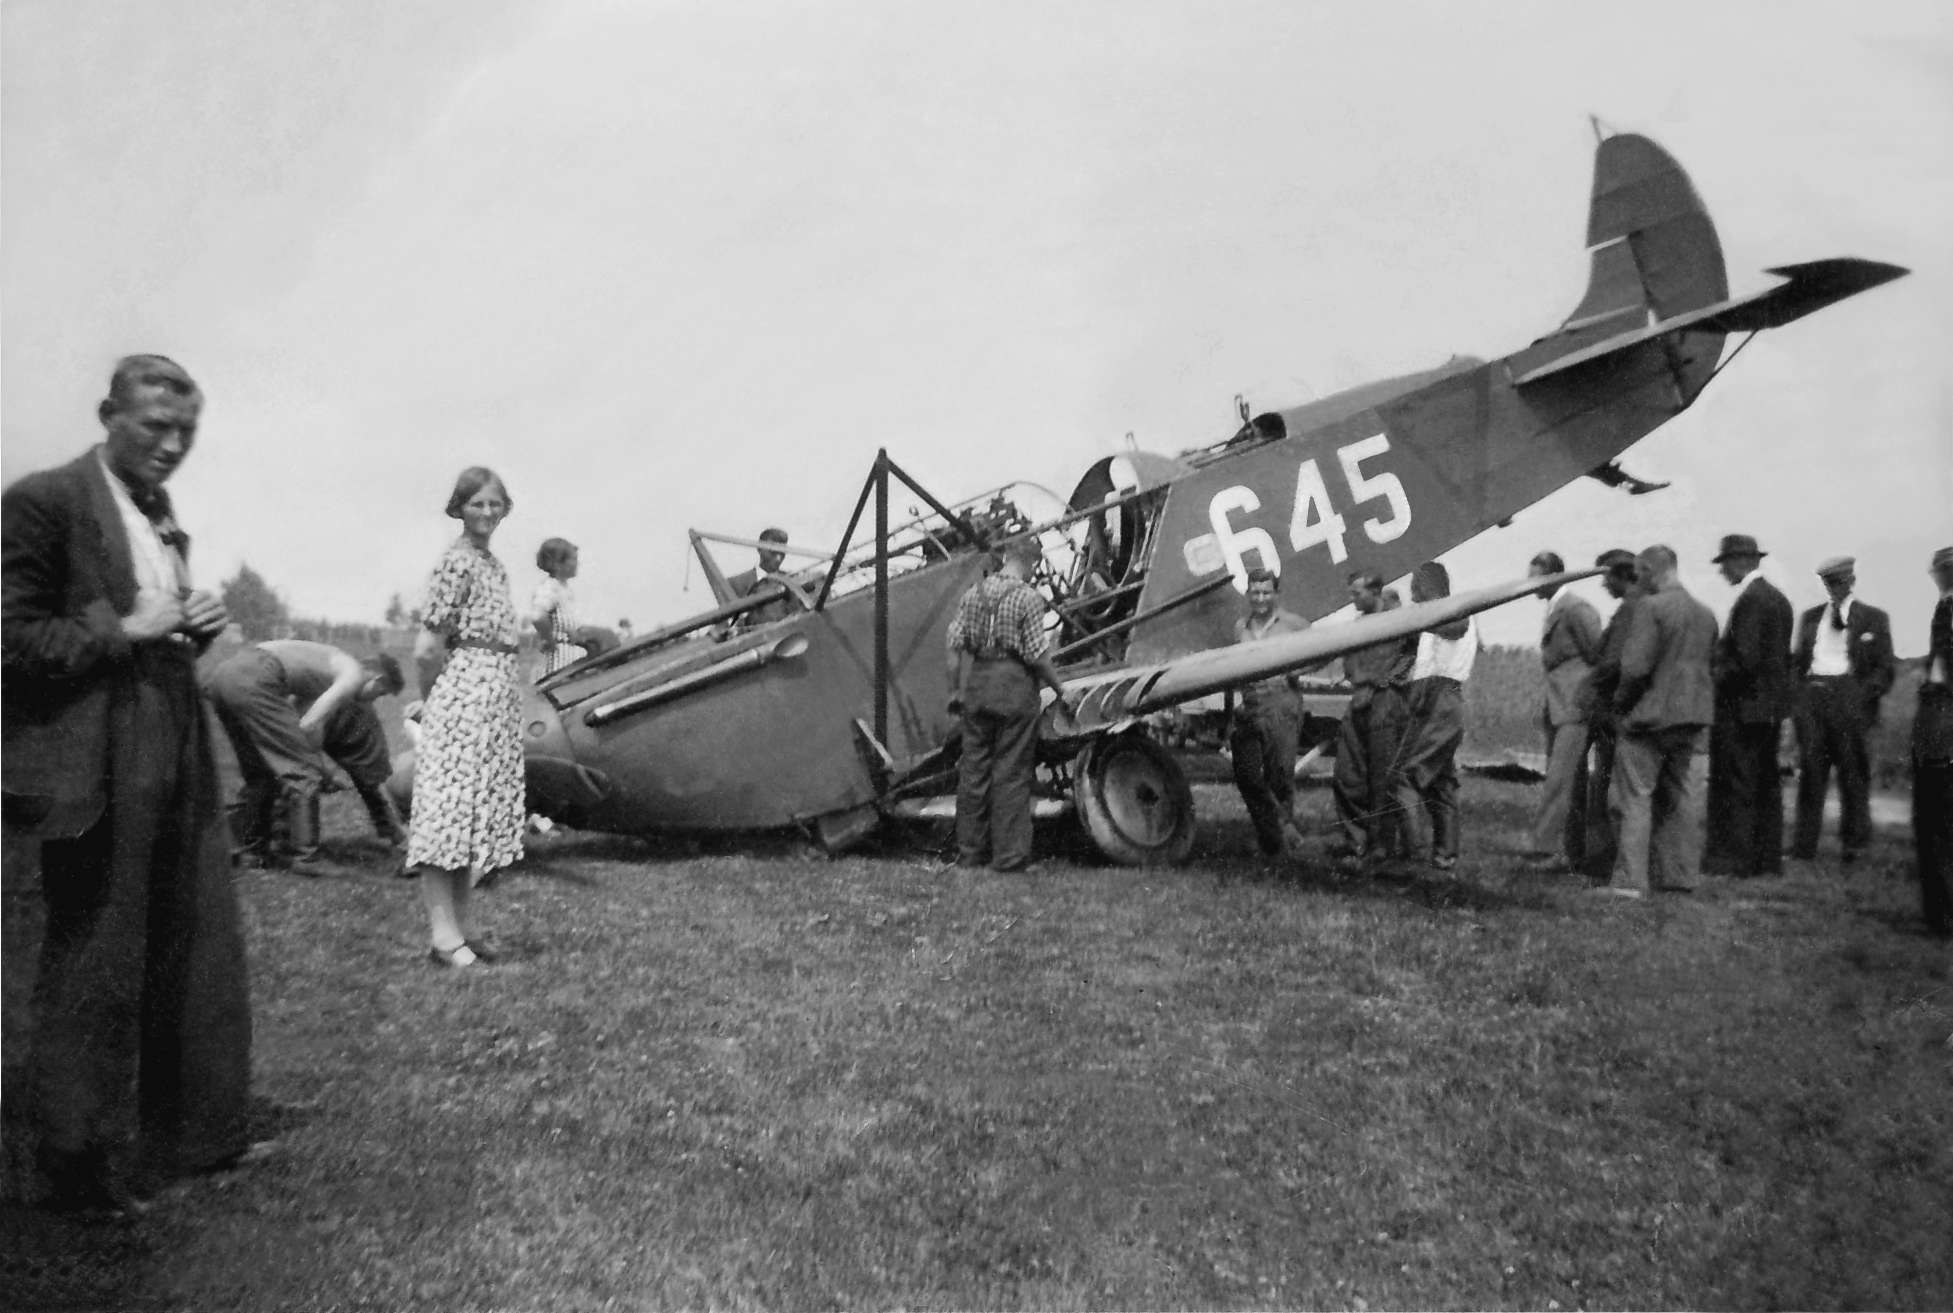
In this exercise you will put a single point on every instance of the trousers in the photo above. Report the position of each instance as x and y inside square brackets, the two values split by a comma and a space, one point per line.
[1263, 746]
[995, 773]
[1656, 805]
[1831, 735]
[1368, 780]
[1745, 799]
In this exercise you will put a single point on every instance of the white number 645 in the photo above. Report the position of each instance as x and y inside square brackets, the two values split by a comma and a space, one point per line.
[1369, 487]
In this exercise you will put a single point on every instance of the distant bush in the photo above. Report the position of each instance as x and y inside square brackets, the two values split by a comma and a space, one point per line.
[1507, 687]
[1502, 702]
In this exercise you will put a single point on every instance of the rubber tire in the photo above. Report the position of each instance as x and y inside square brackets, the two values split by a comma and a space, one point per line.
[1134, 800]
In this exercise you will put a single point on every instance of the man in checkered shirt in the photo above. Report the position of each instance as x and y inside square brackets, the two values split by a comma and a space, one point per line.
[998, 652]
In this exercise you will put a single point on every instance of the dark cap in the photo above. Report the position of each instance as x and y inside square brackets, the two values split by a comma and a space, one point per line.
[1832, 566]
[1944, 556]
[1736, 544]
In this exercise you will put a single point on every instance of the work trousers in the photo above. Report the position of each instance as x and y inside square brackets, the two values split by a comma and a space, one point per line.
[1368, 782]
[1602, 745]
[1656, 804]
[141, 1051]
[1831, 735]
[1263, 746]
[1560, 824]
[1932, 805]
[999, 756]
[1745, 798]
[253, 703]
[1435, 730]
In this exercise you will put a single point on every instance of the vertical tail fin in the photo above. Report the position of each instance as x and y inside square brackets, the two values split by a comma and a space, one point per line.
[1655, 254]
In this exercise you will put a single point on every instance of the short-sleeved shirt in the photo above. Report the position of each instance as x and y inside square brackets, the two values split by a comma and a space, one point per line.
[1000, 615]
[468, 597]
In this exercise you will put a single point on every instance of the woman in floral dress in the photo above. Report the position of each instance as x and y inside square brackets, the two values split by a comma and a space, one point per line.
[468, 781]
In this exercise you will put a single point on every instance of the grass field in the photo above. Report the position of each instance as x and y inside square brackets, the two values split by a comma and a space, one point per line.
[758, 1079]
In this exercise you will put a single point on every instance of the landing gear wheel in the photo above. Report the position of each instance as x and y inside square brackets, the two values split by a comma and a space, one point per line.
[1134, 801]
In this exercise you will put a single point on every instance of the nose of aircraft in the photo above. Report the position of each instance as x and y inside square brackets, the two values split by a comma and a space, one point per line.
[557, 786]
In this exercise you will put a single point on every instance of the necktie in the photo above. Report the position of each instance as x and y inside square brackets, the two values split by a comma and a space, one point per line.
[1837, 617]
[154, 503]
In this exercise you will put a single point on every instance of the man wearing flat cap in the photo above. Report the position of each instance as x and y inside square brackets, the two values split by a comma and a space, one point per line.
[1844, 660]
[1932, 760]
[1603, 734]
[1752, 698]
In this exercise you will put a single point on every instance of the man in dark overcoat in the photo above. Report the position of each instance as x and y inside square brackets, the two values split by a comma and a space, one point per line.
[140, 1055]
[1752, 699]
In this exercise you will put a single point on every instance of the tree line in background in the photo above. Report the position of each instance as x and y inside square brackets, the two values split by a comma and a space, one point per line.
[260, 613]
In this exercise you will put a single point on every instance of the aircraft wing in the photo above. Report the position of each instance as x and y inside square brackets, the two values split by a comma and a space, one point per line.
[1104, 699]
[1807, 289]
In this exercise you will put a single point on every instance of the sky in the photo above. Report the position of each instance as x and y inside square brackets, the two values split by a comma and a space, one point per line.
[689, 265]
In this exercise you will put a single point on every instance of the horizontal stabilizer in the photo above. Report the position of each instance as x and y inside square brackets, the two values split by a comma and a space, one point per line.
[1105, 699]
[1807, 288]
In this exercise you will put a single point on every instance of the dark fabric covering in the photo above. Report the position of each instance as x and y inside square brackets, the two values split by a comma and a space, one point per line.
[142, 1038]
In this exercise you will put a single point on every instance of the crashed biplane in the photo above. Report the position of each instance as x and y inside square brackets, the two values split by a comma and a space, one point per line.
[834, 715]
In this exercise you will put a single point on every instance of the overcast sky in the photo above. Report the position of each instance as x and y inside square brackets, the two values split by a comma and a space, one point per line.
[688, 265]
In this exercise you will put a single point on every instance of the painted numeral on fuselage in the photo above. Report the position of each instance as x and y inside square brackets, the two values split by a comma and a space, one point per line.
[1314, 520]
[1235, 543]
[1386, 485]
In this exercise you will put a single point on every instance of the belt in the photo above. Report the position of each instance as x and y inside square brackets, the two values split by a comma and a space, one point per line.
[1826, 679]
[1001, 655]
[1440, 680]
[480, 645]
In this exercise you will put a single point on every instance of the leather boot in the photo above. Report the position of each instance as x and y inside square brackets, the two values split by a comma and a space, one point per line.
[302, 828]
[1444, 835]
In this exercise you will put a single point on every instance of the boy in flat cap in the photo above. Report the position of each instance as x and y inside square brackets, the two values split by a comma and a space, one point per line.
[1844, 659]
[1752, 699]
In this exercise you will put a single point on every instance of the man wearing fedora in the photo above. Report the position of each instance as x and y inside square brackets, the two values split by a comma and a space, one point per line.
[1844, 659]
[1752, 699]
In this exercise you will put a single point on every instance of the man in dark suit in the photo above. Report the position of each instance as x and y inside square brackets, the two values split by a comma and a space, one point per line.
[1932, 760]
[1844, 658]
[140, 1059]
[1752, 699]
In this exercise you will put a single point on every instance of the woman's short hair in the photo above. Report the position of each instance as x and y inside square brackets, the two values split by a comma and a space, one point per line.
[553, 553]
[471, 481]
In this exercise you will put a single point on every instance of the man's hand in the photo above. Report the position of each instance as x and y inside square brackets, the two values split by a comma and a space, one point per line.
[204, 615]
[156, 614]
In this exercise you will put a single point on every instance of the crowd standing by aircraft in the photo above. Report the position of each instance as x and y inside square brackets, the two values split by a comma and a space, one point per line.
[834, 715]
